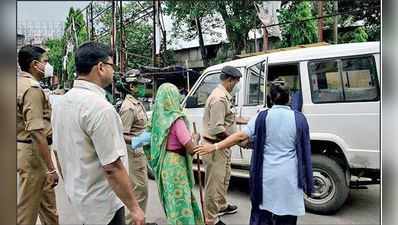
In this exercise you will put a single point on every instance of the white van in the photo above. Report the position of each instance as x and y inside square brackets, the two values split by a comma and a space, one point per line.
[340, 88]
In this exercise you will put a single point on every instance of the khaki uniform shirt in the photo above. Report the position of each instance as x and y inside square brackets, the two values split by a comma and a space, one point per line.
[218, 115]
[133, 115]
[33, 108]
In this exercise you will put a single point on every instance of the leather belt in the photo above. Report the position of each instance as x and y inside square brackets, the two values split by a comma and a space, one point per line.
[25, 141]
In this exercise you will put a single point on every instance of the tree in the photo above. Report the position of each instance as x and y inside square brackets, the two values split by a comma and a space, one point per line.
[351, 11]
[239, 17]
[75, 27]
[358, 35]
[55, 53]
[192, 19]
[366, 11]
[294, 30]
[76, 33]
[138, 33]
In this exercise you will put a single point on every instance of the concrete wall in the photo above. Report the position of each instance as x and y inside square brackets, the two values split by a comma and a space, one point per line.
[193, 56]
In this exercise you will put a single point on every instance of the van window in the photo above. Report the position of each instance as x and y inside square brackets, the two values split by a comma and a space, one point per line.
[325, 81]
[206, 87]
[344, 80]
[360, 79]
[288, 72]
[255, 85]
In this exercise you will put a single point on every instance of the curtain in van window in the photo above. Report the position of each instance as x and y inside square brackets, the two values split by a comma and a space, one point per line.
[355, 81]
[360, 79]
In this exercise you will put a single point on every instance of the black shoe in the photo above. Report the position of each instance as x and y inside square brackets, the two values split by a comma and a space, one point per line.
[231, 209]
[220, 223]
[151, 224]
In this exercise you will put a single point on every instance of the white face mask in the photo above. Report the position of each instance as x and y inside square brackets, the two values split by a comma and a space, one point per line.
[48, 70]
[236, 89]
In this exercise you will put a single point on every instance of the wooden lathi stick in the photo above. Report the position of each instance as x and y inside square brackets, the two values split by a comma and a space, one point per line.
[199, 177]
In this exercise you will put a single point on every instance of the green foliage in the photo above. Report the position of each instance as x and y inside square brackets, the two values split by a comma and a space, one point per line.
[55, 54]
[169, 57]
[360, 35]
[295, 32]
[79, 24]
[184, 14]
[239, 17]
[139, 44]
[75, 32]
[357, 35]
[352, 11]
[138, 34]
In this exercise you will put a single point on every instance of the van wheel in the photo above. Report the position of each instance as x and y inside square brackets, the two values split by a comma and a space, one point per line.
[151, 175]
[330, 186]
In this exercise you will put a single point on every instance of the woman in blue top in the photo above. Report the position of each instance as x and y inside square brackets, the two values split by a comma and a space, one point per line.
[281, 168]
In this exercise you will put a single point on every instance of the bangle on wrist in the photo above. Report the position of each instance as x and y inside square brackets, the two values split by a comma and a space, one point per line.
[52, 171]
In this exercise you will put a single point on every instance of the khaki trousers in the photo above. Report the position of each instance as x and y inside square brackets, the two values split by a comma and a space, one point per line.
[36, 197]
[138, 174]
[217, 177]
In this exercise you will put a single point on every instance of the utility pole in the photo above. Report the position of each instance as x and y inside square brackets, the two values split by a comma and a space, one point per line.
[156, 33]
[87, 22]
[255, 37]
[320, 21]
[122, 41]
[92, 21]
[113, 38]
[336, 22]
[113, 32]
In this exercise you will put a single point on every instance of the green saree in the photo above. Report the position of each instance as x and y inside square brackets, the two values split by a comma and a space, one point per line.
[173, 172]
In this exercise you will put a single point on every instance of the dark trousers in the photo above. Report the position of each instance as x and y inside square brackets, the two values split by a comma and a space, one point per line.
[265, 217]
[118, 219]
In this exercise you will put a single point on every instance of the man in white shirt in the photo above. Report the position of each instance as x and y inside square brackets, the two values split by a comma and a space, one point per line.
[88, 136]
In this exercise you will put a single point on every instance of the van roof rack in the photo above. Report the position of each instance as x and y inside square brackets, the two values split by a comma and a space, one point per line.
[281, 49]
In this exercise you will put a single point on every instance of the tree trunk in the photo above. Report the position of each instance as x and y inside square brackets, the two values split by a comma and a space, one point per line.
[320, 21]
[265, 39]
[236, 40]
[201, 43]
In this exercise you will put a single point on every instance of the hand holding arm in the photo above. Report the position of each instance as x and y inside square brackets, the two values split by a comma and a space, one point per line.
[226, 143]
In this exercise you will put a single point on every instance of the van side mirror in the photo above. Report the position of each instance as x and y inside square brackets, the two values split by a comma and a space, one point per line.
[192, 102]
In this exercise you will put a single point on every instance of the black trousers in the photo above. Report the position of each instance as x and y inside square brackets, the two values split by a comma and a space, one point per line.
[119, 218]
[268, 218]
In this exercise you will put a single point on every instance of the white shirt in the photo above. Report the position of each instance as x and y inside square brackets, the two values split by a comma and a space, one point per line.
[87, 134]
[53, 99]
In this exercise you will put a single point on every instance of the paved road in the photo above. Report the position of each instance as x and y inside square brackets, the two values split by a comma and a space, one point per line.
[363, 207]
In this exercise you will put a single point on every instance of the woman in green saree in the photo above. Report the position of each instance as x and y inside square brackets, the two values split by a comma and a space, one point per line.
[170, 158]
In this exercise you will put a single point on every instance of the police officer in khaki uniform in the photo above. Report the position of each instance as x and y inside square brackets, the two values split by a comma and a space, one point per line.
[218, 123]
[37, 174]
[134, 120]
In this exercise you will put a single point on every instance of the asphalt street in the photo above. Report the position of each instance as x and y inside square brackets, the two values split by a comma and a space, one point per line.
[362, 207]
